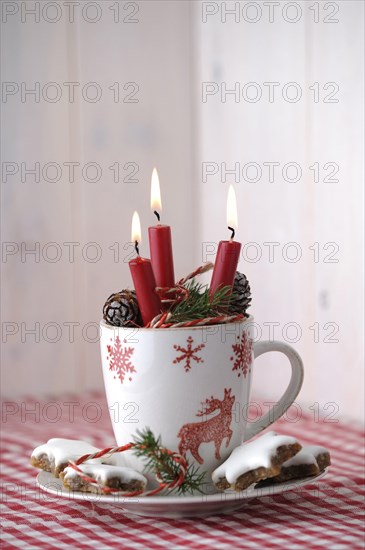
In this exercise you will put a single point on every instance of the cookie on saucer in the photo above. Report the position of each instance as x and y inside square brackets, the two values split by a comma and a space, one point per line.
[114, 477]
[310, 461]
[55, 455]
[254, 461]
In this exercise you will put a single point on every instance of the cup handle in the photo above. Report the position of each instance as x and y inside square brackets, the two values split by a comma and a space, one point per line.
[291, 392]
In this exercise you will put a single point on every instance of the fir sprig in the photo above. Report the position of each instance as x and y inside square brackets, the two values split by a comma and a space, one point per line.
[160, 461]
[199, 304]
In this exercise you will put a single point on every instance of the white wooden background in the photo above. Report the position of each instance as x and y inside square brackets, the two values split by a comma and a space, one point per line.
[170, 53]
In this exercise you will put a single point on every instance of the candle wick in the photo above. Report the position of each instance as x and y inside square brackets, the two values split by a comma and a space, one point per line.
[157, 215]
[136, 247]
[233, 232]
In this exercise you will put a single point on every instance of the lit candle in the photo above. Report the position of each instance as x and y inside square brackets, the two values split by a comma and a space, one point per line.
[228, 251]
[143, 278]
[160, 241]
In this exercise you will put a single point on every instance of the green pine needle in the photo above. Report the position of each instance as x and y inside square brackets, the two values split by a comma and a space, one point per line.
[159, 461]
[200, 305]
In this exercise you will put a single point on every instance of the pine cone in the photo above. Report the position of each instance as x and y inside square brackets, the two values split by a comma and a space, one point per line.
[241, 294]
[122, 310]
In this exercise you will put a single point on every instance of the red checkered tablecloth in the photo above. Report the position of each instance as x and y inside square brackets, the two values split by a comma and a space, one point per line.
[326, 514]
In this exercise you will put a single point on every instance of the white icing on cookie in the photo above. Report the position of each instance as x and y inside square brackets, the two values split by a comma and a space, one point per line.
[303, 457]
[103, 472]
[307, 455]
[316, 449]
[252, 455]
[60, 451]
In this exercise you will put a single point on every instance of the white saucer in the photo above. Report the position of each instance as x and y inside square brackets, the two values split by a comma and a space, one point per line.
[174, 506]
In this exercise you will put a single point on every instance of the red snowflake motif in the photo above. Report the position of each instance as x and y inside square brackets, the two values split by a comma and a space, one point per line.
[242, 355]
[120, 359]
[189, 354]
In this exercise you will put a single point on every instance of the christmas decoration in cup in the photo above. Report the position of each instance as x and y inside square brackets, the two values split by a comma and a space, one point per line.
[160, 240]
[228, 251]
[187, 381]
[143, 278]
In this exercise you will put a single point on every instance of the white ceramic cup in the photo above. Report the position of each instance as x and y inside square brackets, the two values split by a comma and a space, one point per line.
[191, 386]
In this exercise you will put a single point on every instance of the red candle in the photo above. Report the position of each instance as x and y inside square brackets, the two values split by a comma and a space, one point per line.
[143, 279]
[228, 251]
[160, 241]
[161, 255]
[225, 266]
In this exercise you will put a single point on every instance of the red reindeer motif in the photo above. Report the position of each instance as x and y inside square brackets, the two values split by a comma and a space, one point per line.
[214, 429]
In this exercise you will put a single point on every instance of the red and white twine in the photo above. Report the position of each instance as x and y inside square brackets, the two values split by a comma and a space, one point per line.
[179, 293]
[177, 482]
[198, 271]
[162, 321]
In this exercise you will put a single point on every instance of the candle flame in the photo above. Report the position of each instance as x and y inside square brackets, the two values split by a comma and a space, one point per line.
[232, 220]
[155, 192]
[136, 228]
